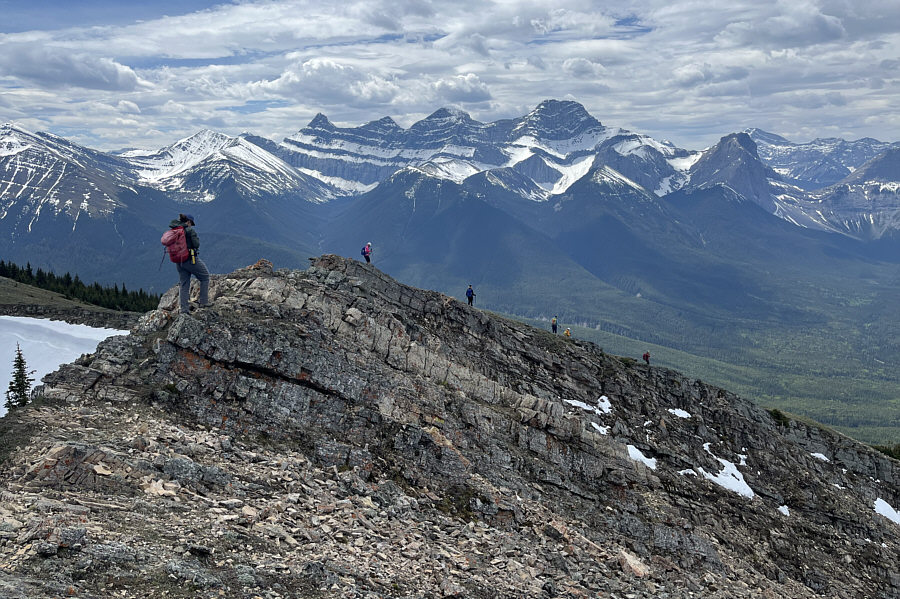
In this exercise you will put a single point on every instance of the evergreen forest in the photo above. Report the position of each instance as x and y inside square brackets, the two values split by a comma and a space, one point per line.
[114, 298]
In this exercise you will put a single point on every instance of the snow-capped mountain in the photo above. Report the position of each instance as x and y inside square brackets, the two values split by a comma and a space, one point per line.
[818, 163]
[554, 145]
[284, 192]
[199, 166]
[41, 174]
[866, 204]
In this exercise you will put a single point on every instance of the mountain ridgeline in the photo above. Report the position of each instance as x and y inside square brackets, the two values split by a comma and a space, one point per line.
[333, 433]
[764, 264]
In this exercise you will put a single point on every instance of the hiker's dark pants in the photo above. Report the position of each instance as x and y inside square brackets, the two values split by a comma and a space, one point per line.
[185, 270]
[368, 260]
[470, 301]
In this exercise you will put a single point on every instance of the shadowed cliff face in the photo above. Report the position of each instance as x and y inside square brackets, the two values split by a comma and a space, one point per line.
[336, 433]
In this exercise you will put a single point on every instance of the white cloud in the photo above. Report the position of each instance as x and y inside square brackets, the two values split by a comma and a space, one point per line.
[582, 68]
[462, 88]
[672, 69]
[128, 106]
[798, 24]
[56, 67]
[330, 82]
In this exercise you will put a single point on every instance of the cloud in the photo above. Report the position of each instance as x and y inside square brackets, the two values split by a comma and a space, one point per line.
[128, 106]
[537, 62]
[815, 101]
[800, 24]
[330, 82]
[462, 88]
[692, 75]
[54, 67]
[582, 68]
[676, 69]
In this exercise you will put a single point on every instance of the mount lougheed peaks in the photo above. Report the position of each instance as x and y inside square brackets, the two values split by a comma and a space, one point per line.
[332, 432]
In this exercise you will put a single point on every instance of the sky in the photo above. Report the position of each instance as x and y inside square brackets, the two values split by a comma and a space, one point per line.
[45, 344]
[111, 74]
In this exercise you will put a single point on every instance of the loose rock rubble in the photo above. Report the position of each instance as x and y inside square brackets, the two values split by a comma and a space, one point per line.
[333, 433]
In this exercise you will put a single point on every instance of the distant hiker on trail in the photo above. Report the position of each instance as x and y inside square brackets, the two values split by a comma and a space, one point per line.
[568, 333]
[182, 243]
[646, 357]
[367, 252]
[553, 324]
[470, 295]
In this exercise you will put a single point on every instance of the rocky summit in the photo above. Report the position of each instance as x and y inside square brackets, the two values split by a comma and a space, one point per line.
[335, 433]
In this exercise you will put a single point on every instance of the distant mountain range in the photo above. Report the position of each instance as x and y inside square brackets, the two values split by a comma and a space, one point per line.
[753, 244]
[572, 187]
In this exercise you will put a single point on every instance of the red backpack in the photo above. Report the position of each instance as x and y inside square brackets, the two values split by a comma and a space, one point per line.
[176, 245]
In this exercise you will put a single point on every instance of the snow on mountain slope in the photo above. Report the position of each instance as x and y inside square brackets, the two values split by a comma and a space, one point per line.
[556, 144]
[578, 169]
[610, 176]
[155, 167]
[203, 163]
[46, 344]
[45, 175]
[865, 204]
[818, 163]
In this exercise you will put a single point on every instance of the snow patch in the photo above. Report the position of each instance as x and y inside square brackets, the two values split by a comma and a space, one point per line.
[729, 477]
[603, 405]
[820, 456]
[885, 509]
[635, 454]
[784, 510]
[603, 430]
[571, 173]
[46, 344]
[679, 412]
[685, 163]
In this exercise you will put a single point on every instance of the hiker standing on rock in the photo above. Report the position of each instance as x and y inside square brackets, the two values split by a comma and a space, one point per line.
[646, 357]
[470, 295]
[568, 333]
[553, 324]
[367, 252]
[182, 246]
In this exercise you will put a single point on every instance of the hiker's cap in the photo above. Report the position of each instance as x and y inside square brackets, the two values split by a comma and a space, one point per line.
[189, 217]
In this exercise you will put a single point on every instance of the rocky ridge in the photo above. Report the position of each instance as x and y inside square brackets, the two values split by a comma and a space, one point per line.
[333, 433]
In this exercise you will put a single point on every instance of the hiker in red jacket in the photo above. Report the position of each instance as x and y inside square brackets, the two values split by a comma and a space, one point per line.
[367, 252]
[646, 357]
[191, 265]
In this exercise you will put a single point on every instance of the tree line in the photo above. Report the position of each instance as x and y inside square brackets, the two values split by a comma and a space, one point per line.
[114, 298]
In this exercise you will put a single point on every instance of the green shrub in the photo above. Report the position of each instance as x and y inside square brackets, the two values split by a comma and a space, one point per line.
[779, 417]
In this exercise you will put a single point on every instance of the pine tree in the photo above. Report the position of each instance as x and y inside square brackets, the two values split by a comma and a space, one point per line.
[20, 385]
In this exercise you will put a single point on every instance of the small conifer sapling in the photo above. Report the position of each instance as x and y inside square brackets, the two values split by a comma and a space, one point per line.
[20, 385]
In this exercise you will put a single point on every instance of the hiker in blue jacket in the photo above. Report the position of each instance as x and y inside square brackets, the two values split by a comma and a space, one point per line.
[470, 295]
[192, 266]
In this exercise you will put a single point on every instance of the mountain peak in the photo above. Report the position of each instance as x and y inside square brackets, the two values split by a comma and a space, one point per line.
[385, 126]
[884, 168]
[448, 114]
[202, 143]
[320, 121]
[765, 137]
[556, 119]
[11, 126]
[14, 139]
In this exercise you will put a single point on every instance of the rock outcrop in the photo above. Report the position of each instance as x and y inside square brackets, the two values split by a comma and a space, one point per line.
[334, 433]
